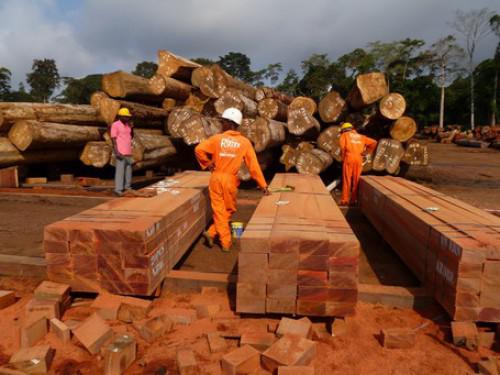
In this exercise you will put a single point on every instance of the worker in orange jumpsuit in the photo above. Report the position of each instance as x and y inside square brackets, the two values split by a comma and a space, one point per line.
[353, 147]
[223, 154]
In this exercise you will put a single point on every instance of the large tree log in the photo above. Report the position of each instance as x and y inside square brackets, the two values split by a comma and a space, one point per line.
[96, 154]
[267, 92]
[265, 160]
[142, 115]
[328, 141]
[273, 109]
[288, 157]
[169, 87]
[416, 154]
[204, 79]
[388, 155]
[121, 84]
[10, 155]
[403, 129]
[171, 65]
[367, 89]
[32, 134]
[392, 106]
[175, 120]
[331, 107]
[168, 104]
[197, 101]
[305, 103]
[312, 162]
[231, 82]
[233, 98]
[264, 133]
[137, 146]
[302, 123]
[198, 128]
[47, 112]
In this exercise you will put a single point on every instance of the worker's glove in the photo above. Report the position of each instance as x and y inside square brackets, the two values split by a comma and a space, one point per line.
[118, 155]
[211, 167]
[266, 191]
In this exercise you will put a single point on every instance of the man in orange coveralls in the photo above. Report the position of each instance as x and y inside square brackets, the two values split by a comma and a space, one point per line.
[223, 154]
[353, 146]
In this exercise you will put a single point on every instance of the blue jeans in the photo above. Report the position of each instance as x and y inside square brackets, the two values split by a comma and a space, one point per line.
[123, 173]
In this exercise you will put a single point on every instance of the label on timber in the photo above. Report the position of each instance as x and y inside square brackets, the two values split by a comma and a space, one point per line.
[156, 261]
[152, 230]
[451, 246]
[448, 275]
[376, 197]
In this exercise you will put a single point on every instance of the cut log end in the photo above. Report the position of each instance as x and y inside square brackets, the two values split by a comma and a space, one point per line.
[328, 141]
[403, 129]
[305, 103]
[331, 107]
[96, 154]
[392, 106]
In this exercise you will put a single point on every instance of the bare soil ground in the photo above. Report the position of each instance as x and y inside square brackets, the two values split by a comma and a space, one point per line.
[472, 175]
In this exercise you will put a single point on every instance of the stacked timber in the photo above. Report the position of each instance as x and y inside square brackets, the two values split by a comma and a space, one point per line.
[128, 245]
[298, 254]
[452, 247]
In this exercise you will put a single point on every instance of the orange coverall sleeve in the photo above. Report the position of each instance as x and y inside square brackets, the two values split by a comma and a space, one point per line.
[370, 144]
[203, 152]
[254, 167]
[343, 145]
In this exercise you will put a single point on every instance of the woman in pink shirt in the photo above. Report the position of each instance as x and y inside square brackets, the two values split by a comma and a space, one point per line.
[121, 135]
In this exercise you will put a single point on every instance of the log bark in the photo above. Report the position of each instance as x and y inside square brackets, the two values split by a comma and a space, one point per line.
[10, 155]
[392, 106]
[209, 85]
[137, 146]
[198, 128]
[273, 109]
[302, 123]
[331, 107]
[416, 154]
[328, 141]
[288, 157]
[168, 104]
[142, 115]
[96, 154]
[47, 112]
[230, 98]
[32, 134]
[121, 84]
[267, 92]
[388, 155]
[229, 81]
[169, 87]
[367, 89]
[171, 65]
[403, 129]
[312, 162]
[175, 120]
[303, 102]
[264, 133]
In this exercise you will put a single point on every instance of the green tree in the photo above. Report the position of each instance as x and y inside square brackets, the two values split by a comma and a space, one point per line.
[484, 76]
[445, 63]
[238, 65]
[145, 69]
[356, 62]
[495, 26]
[290, 84]
[5, 76]
[78, 91]
[319, 74]
[20, 95]
[473, 25]
[43, 79]
[272, 72]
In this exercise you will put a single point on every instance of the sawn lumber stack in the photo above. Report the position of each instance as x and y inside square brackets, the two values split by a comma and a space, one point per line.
[452, 247]
[127, 245]
[298, 254]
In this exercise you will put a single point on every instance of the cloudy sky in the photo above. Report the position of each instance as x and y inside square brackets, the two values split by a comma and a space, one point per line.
[96, 36]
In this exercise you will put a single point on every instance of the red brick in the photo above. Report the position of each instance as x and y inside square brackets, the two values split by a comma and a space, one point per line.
[47, 308]
[52, 290]
[132, 309]
[312, 278]
[93, 333]
[465, 334]
[290, 350]
[398, 338]
[7, 298]
[119, 354]
[258, 340]
[281, 305]
[299, 327]
[33, 330]
[244, 360]
[34, 360]
[186, 362]
[295, 370]
[153, 328]
[60, 329]
[216, 342]
[286, 261]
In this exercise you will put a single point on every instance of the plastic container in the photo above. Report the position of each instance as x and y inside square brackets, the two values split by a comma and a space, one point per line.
[236, 229]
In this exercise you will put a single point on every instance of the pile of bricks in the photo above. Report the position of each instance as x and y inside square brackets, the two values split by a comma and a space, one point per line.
[298, 254]
[127, 245]
[452, 247]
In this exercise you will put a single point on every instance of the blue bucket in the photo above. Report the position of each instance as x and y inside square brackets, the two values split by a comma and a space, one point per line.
[236, 229]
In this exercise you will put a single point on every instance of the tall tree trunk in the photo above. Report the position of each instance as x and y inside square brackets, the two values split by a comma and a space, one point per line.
[494, 101]
[472, 109]
[441, 109]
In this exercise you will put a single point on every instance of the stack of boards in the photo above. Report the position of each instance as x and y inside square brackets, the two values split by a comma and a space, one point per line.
[452, 247]
[127, 245]
[298, 254]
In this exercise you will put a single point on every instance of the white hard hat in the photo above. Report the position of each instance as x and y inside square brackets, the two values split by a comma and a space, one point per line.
[233, 114]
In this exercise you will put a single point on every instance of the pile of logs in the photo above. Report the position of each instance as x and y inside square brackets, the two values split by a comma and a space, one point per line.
[182, 104]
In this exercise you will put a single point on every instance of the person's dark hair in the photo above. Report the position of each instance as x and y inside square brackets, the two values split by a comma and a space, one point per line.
[228, 124]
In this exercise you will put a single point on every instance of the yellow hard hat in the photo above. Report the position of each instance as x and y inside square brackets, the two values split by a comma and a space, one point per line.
[346, 125]
[124, 112]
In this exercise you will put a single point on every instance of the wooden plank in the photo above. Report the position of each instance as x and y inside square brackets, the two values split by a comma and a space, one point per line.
[17, 265]
[9, 177]
[452, 247]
